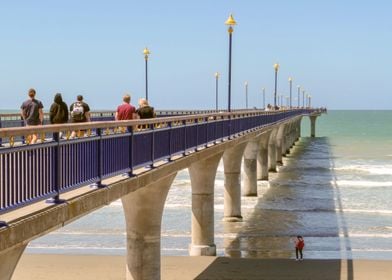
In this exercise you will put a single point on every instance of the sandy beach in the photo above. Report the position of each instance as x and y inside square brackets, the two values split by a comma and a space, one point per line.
[67, 267]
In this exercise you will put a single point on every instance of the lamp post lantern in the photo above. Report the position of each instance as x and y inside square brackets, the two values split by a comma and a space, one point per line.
[230, 22]
[263, 98]
[299, 90]
[246, 94]
[291, 88]
[216, 90]
[146, 53]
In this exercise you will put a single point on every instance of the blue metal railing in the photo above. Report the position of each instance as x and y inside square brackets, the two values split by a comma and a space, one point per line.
[31, 173]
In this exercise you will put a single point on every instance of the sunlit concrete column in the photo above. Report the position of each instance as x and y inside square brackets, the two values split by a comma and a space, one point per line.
[250, 167]
[232, 159]
[280, 143]
[313, 125]
[8, 261]
[143, 210]
[290, 137]
[262, 156]
[272, 151]
[202, 174]
[299, 129]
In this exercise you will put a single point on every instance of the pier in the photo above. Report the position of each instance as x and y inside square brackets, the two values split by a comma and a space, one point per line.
[47, 185]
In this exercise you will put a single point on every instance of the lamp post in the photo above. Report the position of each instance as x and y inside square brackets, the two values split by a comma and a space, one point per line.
[310, 99]
[146, 53]
[246, 94]
[288, 101]
[281, 100]
[263, 98]
[291, 87]
[303, 98]
[230, 22]
[276, 67]
[299, 90]
[216, 90]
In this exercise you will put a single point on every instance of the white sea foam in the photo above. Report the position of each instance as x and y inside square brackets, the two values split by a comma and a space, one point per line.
[370, 211]
[368, 169]
[349, 183]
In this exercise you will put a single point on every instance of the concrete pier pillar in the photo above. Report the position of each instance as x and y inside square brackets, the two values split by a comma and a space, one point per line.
[250, 167]
[8, 261]
[232, 159]
[280, 143]
[313, 125]
[272, 151]
[299, 129]
[262, 157]
[202, 174]
[143, 216]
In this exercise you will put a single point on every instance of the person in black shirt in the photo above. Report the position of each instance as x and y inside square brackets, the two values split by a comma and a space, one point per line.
[145, 111]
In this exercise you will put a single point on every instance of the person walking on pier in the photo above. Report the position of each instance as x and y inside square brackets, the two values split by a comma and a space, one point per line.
[145, 111]
[299, 245]
[32, 114]
[58, 113]
[80, 112]
[125, 111]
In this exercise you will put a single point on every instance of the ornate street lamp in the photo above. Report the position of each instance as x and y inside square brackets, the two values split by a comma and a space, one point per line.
[299, 89]
[216, 90]
[246, 94]
[146, 53]
[230, 22]
[276, 67]
[291, 87]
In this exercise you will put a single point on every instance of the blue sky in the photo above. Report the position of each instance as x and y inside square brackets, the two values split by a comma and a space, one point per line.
[339, 51]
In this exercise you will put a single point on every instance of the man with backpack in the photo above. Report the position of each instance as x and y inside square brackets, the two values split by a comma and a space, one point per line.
[80, 112]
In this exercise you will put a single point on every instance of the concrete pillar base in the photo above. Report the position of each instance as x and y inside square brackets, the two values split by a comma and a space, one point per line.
[232, 219]
[202, 174]
[202, 250]
[9, 260]
[143, 210]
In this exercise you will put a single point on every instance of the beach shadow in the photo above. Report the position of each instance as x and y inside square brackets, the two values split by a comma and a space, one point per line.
[302, 199]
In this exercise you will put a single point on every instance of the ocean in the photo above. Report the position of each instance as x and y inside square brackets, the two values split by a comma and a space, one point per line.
[335, 190]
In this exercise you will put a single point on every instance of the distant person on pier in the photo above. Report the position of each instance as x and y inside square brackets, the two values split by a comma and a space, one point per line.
[126, 111]
[145, 111]
[80, 112]
[299, 245]
[32, 114]
[58, 113]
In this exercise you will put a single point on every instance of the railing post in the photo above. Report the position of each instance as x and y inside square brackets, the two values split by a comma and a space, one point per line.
[130, 155]
[56, 169]
[1, 139]
[100, 158]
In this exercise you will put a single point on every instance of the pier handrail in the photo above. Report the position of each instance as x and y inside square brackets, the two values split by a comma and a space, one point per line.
[44, 170]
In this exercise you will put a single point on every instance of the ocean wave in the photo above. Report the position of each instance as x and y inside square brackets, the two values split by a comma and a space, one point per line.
[368, 169]
[367, 235]
[349, 183]
[369, 211]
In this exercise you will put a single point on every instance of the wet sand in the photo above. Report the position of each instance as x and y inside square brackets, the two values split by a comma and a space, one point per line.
[73, 267]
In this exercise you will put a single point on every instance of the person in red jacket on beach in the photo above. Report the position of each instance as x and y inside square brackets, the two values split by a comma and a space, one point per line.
[299, 245]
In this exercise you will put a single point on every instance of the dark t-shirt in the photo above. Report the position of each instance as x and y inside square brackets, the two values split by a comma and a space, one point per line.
[31, 111]
[146, 112]
[86, 109]
[125, 112]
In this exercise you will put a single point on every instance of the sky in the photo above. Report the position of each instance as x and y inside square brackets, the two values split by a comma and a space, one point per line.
[338, 51]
